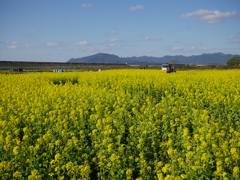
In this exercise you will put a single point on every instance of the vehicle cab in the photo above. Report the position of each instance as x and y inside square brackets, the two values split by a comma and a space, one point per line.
[165, 66]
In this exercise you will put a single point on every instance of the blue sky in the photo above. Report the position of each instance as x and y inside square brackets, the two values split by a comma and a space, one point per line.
[57, 30]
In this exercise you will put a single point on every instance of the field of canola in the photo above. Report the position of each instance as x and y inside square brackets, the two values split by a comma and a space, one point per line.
[120, 124]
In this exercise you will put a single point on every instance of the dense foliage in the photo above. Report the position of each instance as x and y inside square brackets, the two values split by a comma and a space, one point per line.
[120, 124]
[234, 61]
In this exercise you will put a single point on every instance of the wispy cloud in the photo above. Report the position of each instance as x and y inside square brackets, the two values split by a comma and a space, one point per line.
[151, 38]
[176, 48]
[150, 51]
[12, 47]
[210, 17]
[111, 32]
[233, 37]
[193, 48]
[113, 40]
[15, 44]
[52, 44]
[207, 49]
[86, 5]
[138, 7]
[82, 43]
[147, 38]
[112, 45]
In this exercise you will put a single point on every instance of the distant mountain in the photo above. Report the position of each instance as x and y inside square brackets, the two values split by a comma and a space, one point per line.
[99, 58]
[204, 59]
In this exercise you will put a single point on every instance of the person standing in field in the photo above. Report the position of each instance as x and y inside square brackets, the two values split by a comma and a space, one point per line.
[173, 69]
[168, 69]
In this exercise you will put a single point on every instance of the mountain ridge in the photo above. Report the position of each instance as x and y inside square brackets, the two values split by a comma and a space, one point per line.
[203, 59]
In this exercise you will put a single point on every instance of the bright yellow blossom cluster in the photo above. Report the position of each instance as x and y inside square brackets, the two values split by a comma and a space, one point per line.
[120, 124]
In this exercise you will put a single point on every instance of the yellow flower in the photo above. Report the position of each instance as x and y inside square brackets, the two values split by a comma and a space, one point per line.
[236, 171]
[170, 177]
[69, 165]
[185, 132]
[171, 152]
[16, 150]
[129, 174]
[227, 161]
[130, 157]
[184, 176]
[34, 175]
[9, 139]
[58, 156]
[51, 174]
[58, 143]
[61, 178]
[169, 142]
[189, 154]
[147, 123]
[17, 175]
[166, 168]
[57, 169]
[131, 129]
[114, 157]
[196, 137]
[181, 162]
[233, 151]
[85, 171]
[25, 137]
[160, 176]
[204, 157]
[40, 140]
[110, 147]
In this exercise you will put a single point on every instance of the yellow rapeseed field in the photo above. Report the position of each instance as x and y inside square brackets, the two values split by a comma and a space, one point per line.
[120, 124]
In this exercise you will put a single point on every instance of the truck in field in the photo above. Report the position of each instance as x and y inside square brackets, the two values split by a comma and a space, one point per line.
[165, 66]
[168, 67]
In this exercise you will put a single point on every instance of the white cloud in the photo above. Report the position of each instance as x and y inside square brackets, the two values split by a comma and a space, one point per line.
[138, 7]
[210, 17]
[112, 32]
[81, 43]
[52, 44]
[86, 5]
[150, 51]
[112, 45]
[12, 47]
[233, 37]
[208, 49]
[147, 38]
[15, 44]
[193, 47]
[113, 40]
[176, 48]
[151, 38]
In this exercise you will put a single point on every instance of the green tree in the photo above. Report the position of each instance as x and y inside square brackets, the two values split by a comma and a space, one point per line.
[234, 61]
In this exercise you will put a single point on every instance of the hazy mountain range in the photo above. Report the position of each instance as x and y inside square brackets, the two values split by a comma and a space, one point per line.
[203, 59]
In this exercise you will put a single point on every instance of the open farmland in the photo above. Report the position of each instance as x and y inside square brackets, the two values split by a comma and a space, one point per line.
[120, 124]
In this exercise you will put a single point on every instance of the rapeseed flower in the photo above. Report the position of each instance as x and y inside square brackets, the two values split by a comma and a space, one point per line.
[147, 124]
